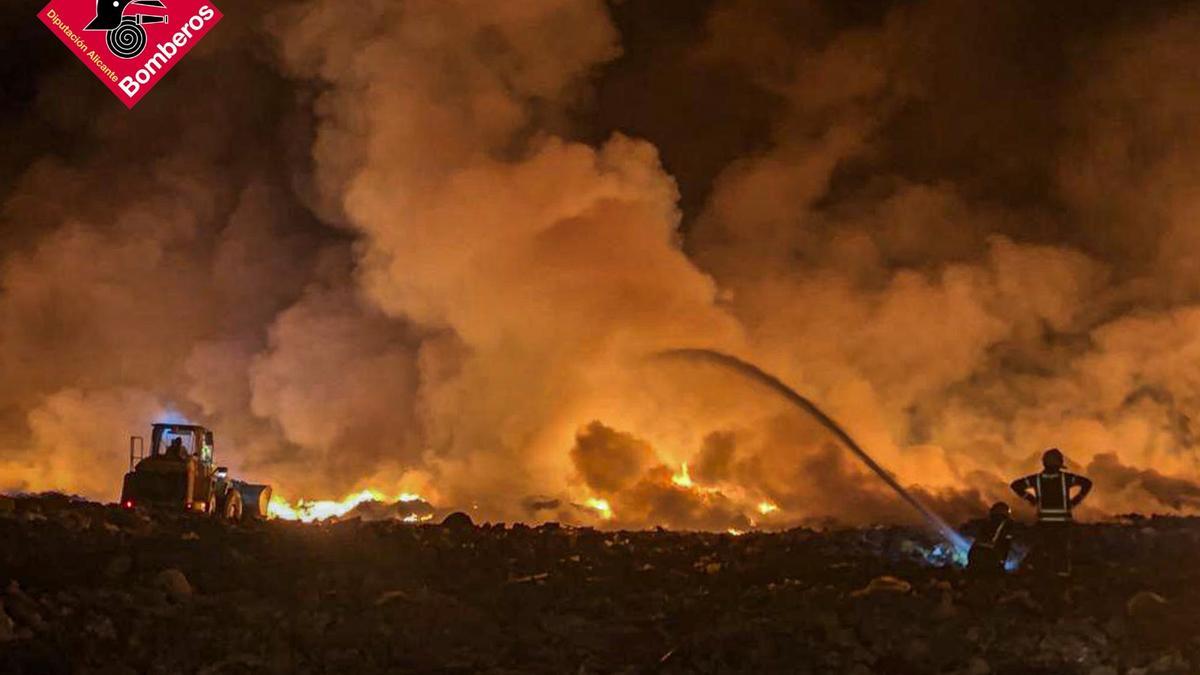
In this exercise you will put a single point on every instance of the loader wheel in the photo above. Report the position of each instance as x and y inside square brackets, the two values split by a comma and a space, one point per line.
[233, 507]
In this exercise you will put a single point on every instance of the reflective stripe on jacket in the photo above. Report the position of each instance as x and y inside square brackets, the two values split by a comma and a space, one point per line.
[1053, 491]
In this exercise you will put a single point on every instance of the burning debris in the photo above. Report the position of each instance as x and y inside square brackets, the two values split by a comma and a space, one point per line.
[367, 504]
[601, 507]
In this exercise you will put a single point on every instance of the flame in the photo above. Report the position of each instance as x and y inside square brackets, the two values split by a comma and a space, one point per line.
[306, 511]
[601, 506]
[735, 532]
[766, 507]
[683, 478]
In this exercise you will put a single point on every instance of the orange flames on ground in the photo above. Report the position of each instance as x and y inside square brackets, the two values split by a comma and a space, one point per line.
[755, 511]
[683, 478]
[310, 511]
[601, 507]
[318, 510]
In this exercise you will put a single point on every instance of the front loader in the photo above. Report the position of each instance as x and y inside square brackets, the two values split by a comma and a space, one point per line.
[179, 473]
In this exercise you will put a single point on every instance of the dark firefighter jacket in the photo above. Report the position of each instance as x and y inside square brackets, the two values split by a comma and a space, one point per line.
[1052, 492]
[992, 543]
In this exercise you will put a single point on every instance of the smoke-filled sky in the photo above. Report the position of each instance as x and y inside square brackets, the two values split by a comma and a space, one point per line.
[426, 245]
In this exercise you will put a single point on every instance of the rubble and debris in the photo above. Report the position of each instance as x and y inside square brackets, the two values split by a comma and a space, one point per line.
[174, 584]
[7, 627]
[1145, 605]
[883, 584]
[23, 609]
[458, 521]
[118, 567]
[378, 596]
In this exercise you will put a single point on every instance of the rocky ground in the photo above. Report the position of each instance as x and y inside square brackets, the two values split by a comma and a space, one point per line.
[88, 588]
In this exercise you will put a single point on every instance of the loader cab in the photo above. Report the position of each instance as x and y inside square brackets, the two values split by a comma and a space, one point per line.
[195, 442]
[178, 471]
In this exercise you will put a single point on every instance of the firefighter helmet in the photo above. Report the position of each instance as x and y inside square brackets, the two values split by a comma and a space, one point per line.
[1000, 510]
[1052, 459]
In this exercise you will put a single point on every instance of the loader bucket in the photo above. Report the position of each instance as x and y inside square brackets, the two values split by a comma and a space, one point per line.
[255, 498]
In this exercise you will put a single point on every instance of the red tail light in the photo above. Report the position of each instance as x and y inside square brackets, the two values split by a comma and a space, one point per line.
[128, 503]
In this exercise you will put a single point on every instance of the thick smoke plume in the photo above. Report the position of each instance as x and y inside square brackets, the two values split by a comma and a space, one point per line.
[424, 246]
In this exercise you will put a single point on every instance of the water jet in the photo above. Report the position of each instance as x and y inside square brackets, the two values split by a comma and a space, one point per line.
[758, 375]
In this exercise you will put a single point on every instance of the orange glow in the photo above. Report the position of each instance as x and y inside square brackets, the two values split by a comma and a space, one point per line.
[767, 507]
[309, 511]
[683, 478]
[600, 506]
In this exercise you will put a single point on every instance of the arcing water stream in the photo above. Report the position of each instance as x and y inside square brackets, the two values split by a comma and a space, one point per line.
[749, 370]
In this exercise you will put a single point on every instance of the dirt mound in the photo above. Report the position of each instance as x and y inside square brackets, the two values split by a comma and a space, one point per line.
[88, 588]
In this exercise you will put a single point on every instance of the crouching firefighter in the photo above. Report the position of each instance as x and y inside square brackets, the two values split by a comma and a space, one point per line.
[993, 541]
[1050, 492]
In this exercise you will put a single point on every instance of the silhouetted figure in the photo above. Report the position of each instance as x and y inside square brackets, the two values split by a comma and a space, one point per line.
[1050, 492]
[993, 541]
[176, 449]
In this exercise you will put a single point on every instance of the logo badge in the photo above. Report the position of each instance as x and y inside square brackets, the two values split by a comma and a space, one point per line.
[130, 44]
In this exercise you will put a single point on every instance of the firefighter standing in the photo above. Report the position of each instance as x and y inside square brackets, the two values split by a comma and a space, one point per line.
[1050, 492]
